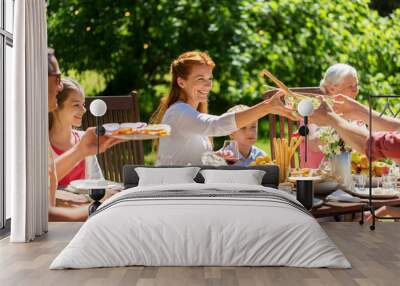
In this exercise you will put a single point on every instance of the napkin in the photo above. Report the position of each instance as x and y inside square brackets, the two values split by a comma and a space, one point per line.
[342, 196]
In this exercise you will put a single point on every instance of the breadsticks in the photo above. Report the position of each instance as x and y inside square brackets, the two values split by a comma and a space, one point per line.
[284, 152]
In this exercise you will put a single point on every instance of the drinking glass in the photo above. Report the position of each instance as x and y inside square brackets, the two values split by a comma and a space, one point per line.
[378, 181]
[389, 183]
[359, 182]
[230, 151]
[326, 165]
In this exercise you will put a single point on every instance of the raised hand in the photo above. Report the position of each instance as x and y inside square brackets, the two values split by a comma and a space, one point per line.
[322, 115]
[278, 106]
[346, 107]
[226, 154]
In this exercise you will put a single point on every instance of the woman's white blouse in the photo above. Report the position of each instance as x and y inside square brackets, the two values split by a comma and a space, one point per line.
[190, 130]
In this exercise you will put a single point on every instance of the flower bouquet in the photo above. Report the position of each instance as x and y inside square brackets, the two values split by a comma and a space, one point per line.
[331, 143]
[337, 155]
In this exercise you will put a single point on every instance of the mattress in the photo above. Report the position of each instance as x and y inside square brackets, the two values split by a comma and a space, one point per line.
[201, 225]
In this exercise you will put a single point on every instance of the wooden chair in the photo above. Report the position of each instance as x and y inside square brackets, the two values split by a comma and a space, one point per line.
[119, 109]
[278, 123]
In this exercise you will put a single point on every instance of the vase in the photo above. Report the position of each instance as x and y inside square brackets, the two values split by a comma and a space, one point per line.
[341, 168]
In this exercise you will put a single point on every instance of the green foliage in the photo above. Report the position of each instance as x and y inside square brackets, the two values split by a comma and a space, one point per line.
[92, 82]
[131, 43]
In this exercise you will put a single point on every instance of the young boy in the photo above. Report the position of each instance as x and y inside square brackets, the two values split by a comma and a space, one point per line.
[245, 138]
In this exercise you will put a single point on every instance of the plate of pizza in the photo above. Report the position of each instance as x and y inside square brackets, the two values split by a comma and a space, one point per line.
[137, 131]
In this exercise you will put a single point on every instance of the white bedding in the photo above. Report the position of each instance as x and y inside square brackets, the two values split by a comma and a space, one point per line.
[265, 229]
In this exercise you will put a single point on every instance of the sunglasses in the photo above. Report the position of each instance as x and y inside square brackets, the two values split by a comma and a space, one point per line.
[58, 77]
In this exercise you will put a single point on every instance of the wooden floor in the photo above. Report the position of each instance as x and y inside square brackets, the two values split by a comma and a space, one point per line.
[375, 257]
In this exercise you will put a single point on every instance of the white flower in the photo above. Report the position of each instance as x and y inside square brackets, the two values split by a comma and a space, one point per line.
[330, 141]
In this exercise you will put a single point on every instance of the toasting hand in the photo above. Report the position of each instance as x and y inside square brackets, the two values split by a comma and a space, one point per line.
[322, 115]
[346, 107]
[278, 107]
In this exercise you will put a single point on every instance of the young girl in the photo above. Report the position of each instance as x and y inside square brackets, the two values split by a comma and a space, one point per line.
[63, 133]
[185, 110]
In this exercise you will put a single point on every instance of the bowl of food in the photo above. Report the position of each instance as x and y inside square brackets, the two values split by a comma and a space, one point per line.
[324, 182]
[262, 160]
[360, 167]
[325, 187]
[304, 174]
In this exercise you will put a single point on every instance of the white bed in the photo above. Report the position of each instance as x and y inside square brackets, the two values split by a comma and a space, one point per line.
[201, 224]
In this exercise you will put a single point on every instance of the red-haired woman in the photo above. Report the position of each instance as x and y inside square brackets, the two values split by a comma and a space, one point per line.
[185, 110]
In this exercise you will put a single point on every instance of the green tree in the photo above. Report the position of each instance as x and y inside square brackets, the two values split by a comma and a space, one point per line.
[131, 43]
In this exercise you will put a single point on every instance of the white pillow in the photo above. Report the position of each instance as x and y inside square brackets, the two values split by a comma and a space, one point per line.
[166, 176]
[249, 177]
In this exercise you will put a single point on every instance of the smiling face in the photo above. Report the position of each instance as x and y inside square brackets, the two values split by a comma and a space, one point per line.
[247, 135]
[54, 83]
[72, 109]
[348, 86]
[197, 85]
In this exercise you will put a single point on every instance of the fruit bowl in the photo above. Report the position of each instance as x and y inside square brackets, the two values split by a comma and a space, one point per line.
[360, 166]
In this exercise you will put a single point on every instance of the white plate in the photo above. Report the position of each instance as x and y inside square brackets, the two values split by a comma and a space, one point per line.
[95, 184]
[381, 195]
[325, 187]
[294, 179]
[133, 125]
[135, 136]
[110, 127]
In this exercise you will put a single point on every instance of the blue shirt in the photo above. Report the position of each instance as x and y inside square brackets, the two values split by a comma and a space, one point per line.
[246, 161]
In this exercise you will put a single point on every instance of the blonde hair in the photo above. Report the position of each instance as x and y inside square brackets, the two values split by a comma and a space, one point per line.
[335, 73]
[181, 67]
[69, 86]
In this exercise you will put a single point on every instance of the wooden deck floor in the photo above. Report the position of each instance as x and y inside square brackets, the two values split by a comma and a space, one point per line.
[375, 257]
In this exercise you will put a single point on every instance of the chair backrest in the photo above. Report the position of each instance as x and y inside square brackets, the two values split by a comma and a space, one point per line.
[277, 123]
[119, 109]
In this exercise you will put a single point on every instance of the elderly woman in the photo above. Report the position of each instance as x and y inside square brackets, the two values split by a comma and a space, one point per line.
[338, 79]
[385, 144]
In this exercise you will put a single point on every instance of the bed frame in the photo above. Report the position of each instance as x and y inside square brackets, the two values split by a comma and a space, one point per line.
[270, 179]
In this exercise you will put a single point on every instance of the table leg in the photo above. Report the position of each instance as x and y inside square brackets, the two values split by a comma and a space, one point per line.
[361, 222]
[96, 195]
[372, 209]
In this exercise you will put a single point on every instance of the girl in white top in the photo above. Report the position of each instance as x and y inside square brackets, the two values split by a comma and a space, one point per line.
[185, 110]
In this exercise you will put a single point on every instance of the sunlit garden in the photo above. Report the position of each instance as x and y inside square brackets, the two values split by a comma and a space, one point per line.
[114, 47]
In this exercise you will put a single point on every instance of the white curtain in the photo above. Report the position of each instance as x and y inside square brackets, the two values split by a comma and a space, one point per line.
[26, 124]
